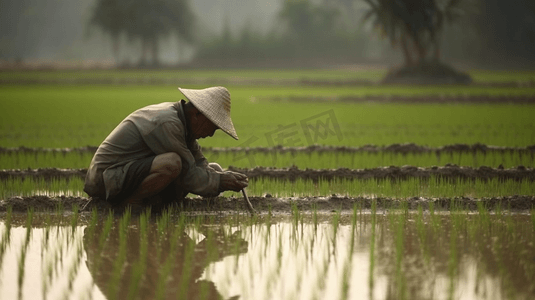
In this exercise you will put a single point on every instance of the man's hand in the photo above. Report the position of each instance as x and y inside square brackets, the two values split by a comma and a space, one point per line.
[233, 181]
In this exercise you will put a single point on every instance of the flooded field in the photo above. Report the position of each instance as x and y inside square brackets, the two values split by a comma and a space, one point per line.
[362, 190]
[355, 254]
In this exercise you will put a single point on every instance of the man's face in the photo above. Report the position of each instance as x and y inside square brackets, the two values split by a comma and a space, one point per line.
[202, 127]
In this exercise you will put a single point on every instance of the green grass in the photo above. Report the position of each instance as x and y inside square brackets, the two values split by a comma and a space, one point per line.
[74, 116]
[301, 160]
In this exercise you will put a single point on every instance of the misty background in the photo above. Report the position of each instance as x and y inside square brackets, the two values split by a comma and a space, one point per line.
[257, 33]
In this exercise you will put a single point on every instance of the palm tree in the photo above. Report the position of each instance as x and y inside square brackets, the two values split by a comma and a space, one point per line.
[147, 20]
[416, 25]
[109, 16]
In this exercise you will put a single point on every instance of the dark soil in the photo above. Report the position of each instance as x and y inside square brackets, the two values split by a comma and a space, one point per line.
[394, 173]
[282, 205]
[394, 148]
[427, 73]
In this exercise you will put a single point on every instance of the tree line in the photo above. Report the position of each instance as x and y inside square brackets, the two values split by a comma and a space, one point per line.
[310, 30]
[144, 20]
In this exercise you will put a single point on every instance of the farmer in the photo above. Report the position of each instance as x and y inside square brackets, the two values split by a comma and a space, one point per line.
[152, 156]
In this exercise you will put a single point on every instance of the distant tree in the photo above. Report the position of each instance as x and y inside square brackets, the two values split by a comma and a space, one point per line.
[146, 20]
[507, 32]
[308, 23]
[109, 16]
[151, 20]
[415, 25]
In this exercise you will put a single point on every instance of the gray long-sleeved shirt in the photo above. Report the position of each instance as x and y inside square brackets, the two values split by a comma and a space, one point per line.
[149, 131]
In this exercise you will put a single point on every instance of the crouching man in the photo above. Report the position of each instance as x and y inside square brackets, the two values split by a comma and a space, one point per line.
[153, 156]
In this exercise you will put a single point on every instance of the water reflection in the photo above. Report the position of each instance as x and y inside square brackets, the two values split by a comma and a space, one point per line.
[164, 266]
[392, 256]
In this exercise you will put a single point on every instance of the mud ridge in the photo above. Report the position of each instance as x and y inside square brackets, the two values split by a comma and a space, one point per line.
[283, 205]
[393, 148]
[393, 173]
[486, 99]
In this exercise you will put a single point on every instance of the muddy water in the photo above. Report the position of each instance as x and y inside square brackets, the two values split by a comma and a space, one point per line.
[388, 255]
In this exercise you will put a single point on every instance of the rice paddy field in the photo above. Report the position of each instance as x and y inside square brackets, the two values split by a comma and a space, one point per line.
[361, 190]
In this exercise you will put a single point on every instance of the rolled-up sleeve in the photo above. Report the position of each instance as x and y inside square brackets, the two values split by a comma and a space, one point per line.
[197, 178]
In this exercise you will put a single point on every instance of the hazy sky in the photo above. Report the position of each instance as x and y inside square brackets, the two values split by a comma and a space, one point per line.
[58, 30]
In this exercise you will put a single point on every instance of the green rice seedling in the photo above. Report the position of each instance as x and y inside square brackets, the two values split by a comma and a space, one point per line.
[532, 214]
[401, 189]
[346, 273]
[46, 237]
[140, 266]
[23, 160]
[29, 221]
[92, 223]
[453, 257]
[74, 218]
[186, 270]
[335, 224]
[400, 248]
[102, 240]
[6, 238]
[21, 269]
[113, 284]
[422, 235]
[24, 248]
[372, 248]
[484, 218]
[29, 187]
[295, 212]
[75, 267]
[59, 209]
[168, 265]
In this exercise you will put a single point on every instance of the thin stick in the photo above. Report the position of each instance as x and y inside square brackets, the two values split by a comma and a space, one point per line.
[249, 205]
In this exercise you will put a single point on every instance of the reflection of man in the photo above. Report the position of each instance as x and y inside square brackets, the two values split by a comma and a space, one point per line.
[153, 153]
[190, 260]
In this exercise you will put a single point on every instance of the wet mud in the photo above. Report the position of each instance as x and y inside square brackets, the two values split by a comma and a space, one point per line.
[393, 173]
[282, 205]
[393, 148]
[485, 99]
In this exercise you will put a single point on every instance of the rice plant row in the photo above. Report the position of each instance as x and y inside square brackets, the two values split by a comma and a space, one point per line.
[413, 187]
[313, 160]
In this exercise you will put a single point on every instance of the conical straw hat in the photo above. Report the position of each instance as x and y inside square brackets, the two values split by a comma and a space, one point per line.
[214, 103]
